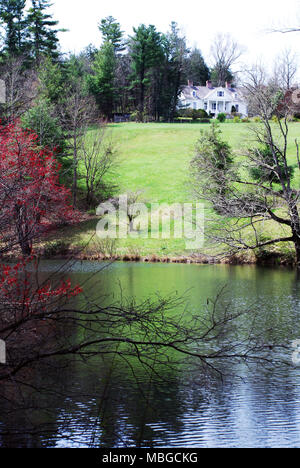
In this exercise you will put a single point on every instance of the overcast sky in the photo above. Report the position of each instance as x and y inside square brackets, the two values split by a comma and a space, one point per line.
[247, 21]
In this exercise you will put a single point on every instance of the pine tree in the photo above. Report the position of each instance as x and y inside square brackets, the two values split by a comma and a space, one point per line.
[146, 52]
[196, 69]
[102, 82]
[42, 30]
[176, 53]
[111, 32]
[15, 26]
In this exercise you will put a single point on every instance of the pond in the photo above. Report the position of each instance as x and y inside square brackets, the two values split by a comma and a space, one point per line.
[101, 404]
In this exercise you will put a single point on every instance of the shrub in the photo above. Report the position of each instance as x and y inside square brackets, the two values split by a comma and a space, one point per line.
[221, 117]
[42, 121]
[236, 119]
[192, 113]
[256, 119]
[204, 120]
[58, 247]
[133, 116]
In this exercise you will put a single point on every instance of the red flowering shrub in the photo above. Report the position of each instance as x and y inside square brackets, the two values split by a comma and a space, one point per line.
[31, 196]
[19, 289]
[30, 312]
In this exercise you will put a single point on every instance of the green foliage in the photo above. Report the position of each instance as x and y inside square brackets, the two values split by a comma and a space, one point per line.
[221, 117]
[212, 147]
[43, 34]
[52, 81]
[195, 68]
[15, 26]
[58, 247]
[101, 83]
[146, 52]
[111, 32]
[42, 121]
[212, 165]
[236, 119]
[264, 174]
[220, 74]
[193, 113]
[169, 72]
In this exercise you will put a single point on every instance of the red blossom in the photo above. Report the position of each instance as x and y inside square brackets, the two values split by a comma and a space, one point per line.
[31, 195]
[17, 287]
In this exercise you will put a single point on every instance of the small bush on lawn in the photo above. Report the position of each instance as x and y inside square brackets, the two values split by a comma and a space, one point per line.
[221, 117]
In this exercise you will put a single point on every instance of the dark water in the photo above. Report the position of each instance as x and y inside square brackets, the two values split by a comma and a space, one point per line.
[102, 404]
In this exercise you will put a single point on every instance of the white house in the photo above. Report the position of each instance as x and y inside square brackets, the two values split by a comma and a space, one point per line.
[213, 100]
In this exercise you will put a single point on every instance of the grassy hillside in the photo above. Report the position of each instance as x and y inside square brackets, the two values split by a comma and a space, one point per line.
[155, 158]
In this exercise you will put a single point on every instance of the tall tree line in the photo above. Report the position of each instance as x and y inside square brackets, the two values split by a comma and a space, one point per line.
[30, 33]
[59, 95]
[143, 74]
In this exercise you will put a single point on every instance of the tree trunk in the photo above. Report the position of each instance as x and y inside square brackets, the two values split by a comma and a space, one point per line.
[25, 242]
[75, 175]
[297, 249]
[295, 225]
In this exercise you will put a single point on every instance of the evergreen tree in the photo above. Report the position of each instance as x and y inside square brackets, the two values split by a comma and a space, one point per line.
[219, 75]
[52, 80]
[111, 32]
[176, 52]
[146, 52]
[196, 69]
[15, 26]
[44, 40]
[102, 82]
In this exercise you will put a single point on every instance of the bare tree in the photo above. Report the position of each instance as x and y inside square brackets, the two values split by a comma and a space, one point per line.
[256, 189]
[285, 69]
[99, 158]
[77, 111]
[133, 199]
[225, 52]
[39, 321]
[21, 88]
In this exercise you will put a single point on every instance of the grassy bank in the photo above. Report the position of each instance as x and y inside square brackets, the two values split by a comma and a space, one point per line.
[155, 158]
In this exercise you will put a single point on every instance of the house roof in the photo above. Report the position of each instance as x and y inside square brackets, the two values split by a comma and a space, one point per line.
[203, 92]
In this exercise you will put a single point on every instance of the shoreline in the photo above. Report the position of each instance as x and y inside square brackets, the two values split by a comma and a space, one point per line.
[272, 259]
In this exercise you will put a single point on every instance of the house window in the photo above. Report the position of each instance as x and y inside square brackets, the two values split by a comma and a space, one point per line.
[194, 93]
[214, 106]
[237, 107]
[205, 106]
[220, 93]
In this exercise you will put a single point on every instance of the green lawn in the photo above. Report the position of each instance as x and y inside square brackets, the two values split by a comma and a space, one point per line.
[155, 158]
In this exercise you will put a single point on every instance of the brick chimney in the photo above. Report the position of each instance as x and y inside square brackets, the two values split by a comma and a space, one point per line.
[208, 84]
[190, 83]
[227, 85]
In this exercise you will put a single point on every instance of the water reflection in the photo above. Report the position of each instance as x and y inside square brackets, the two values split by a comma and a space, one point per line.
[106, 403]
